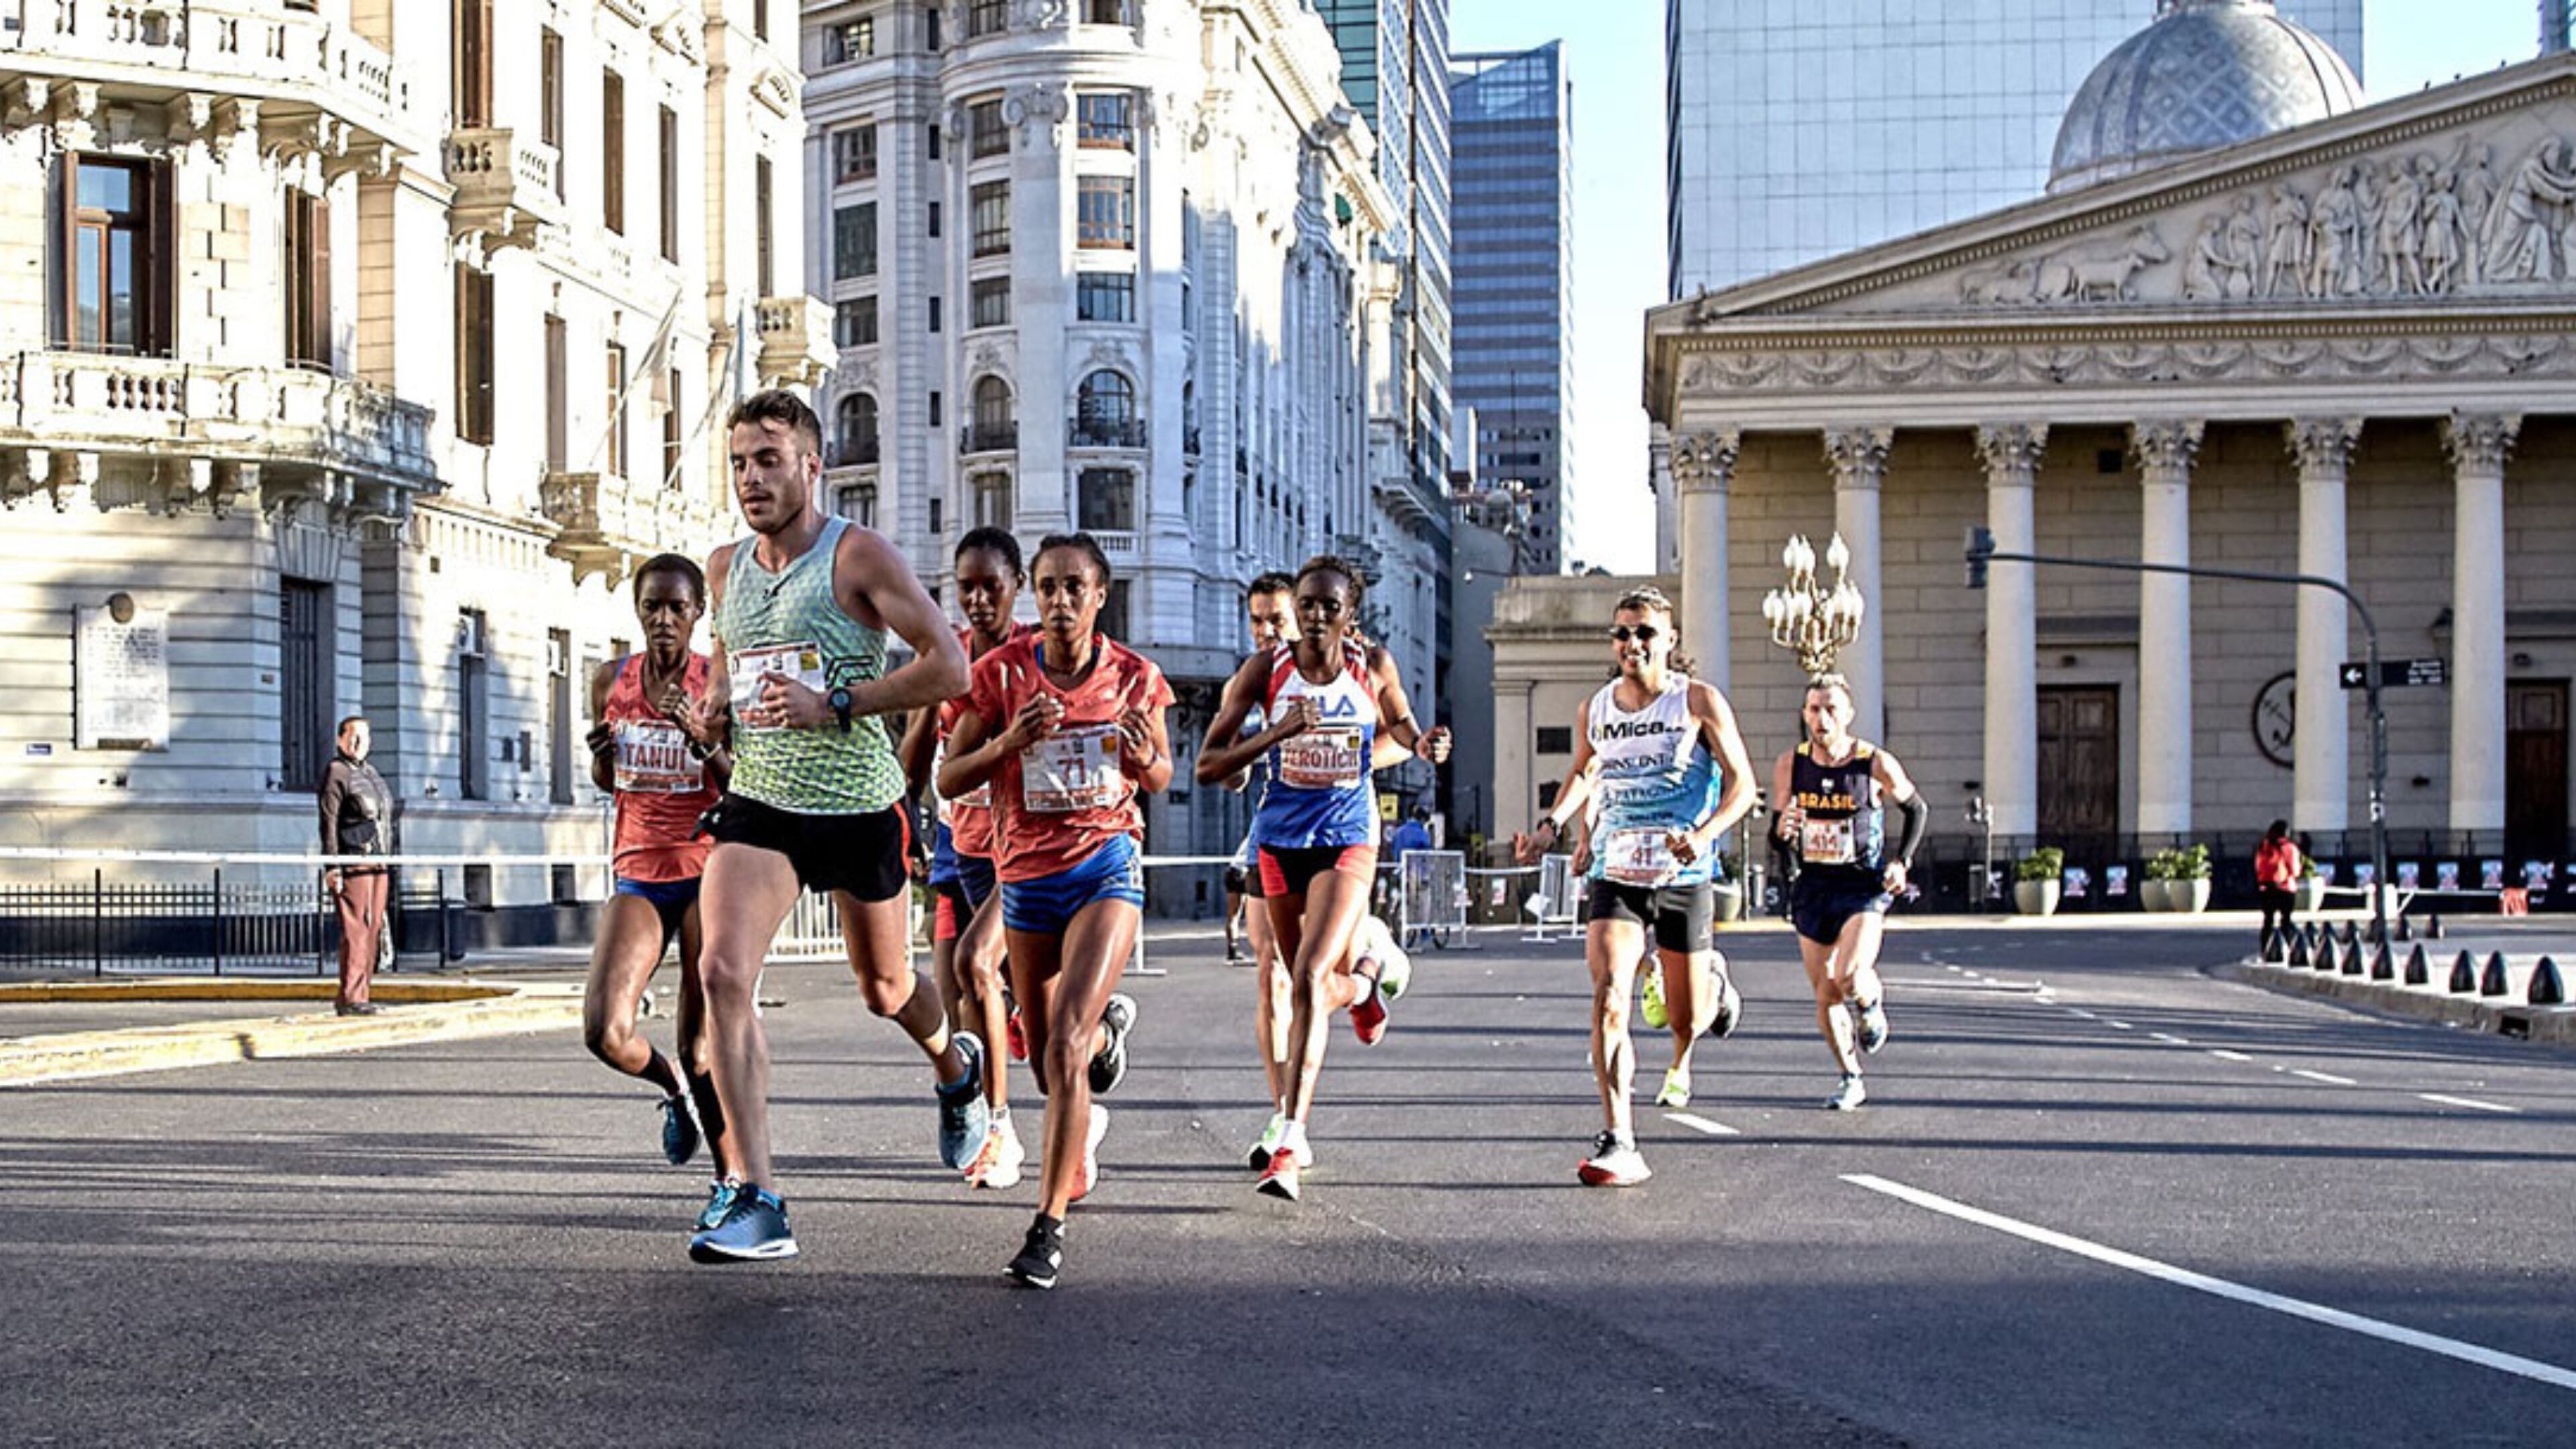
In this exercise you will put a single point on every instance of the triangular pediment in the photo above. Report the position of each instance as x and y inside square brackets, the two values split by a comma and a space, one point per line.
[2462, 196]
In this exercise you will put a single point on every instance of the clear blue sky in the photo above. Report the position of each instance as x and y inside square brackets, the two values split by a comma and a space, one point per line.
[1615, 53]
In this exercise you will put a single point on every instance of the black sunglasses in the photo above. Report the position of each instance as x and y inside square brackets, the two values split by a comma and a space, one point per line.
[1642, 633]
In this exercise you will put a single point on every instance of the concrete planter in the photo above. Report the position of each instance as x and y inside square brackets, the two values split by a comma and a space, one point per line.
[2187, 896]
[2152, 896]
[2036, 897]
[1729, 901]
[2308, 895]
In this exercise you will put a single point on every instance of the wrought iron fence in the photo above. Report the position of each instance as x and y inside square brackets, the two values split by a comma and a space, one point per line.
[108, 926]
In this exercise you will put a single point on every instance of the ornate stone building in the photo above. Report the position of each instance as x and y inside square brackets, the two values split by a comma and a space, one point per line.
[2341, 348]
[1112, 265]
[356, 352]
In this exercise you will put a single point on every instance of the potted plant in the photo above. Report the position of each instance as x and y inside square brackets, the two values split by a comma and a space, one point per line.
[2035, 881]
[2309, 895]
[2159, 872]
[2187, 889]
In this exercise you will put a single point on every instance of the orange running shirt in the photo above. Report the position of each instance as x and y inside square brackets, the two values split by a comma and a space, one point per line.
[1059, 800]
[662, 789]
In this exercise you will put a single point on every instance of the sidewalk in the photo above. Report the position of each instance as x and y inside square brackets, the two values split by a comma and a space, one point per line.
[2493, 994]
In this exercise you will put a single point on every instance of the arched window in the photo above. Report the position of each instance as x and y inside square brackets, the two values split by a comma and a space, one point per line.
[854, 431]
[1107, 397]
[992, 426]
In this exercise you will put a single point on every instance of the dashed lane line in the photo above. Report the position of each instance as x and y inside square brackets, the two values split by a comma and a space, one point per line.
[2169, 1039]
[2533, 1369]
[2224, 1055]
[1701, 1124]
[2329, 1078]
[2470, 1102]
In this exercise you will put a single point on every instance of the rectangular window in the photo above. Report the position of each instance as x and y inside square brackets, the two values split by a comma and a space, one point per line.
[670, 144]
[854, 241]
[987, 17]
[934, 410]
[673, 440]
[858, 504]
[1556, 739]
[304, 682]
[1113, 612]
[1105, 499]
[938, 515]
[1104, 296]
[764, 221]
[854, 153]
[617, 409]
[992, 303]
[760, 19]
[992, 500]
[930, 26]
[851, 40]
[473, 705]
[473, 354]
[612, 151]
[308, 279]
[856, 322]
[933, 129]
[559, 716]
[470, 94]
[115, 271]
[550, 102]
[558, 396]
[1108, 120]
[1108, 12]
[986, 133]
[934, 314]
[990, 204]
[1106, 215]
[933, 216]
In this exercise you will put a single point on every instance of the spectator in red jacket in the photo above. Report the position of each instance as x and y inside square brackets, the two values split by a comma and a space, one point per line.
[2277, 867]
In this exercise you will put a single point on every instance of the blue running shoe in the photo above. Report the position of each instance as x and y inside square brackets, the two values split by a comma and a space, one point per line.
[679, 1130]
[754, 1230]
[964, 1119]
[720, 1196]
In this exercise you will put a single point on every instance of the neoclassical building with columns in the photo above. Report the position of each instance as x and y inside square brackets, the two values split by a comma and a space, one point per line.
[2338, 343]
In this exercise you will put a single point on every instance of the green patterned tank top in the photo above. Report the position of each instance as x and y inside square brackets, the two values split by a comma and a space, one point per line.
[789, 623]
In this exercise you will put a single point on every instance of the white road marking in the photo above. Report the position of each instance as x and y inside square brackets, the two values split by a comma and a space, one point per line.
[2080, 1011]
[2467, 1102]
[2329, 1078]
[2225, 1055]
[2117, 1025]
[2550, 1374]
[1701, 1124]
[2168, 1038]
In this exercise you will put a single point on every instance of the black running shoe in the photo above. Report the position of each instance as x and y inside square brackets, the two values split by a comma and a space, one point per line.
[1041, 1257]
[1109, 1063]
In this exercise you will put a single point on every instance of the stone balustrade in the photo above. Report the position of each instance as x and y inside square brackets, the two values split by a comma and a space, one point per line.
[610, 523]
[505, 184]
[796, 344]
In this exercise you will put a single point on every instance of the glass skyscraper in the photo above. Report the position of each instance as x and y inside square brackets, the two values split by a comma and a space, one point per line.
[1796, 130]
[1511, 210]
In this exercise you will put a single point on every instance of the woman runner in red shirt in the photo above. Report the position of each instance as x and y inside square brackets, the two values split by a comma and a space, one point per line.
[652, 751]
[1068, 727]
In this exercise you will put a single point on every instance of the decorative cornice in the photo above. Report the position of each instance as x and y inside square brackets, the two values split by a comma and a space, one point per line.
[2322, 446]
[2480, 442]
[1858, 456]
[2011, 451]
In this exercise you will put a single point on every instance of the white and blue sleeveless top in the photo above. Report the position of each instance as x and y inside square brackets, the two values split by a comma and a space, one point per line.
[1657, 776]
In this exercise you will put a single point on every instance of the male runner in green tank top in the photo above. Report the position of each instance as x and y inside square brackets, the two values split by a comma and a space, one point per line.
[801, 613]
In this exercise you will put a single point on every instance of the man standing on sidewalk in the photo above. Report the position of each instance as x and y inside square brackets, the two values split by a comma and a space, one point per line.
[357, 819]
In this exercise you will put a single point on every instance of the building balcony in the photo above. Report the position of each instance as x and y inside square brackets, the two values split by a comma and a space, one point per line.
[155, 433]
[608, 524]
[1120, 545]
[1105, 433]
[1001, 437]
[852, 452]
[284, 76]
[796, 347]
[505, 184]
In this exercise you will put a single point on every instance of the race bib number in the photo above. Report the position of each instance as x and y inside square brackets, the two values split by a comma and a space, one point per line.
[1324, 759]
[800, 662]
[1073, 769]
[1826, 842]
[1640, 856]
[653, 759]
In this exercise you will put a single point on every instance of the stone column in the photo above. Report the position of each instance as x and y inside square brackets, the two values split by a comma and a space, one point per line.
[2321, 792]
[1858, 457]
[2164, 451]
[2478, 445]
[2012, 452]
[1703, 467]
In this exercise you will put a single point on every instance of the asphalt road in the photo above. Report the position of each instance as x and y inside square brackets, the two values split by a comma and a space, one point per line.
[477, 1243]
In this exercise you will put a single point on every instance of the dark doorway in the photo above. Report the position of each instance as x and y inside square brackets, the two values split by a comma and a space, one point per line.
[2535, 770]
[303, 683]
[2079, 765]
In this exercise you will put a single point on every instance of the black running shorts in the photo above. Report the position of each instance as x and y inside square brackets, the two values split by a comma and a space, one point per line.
[1680, 915]
[862, 855]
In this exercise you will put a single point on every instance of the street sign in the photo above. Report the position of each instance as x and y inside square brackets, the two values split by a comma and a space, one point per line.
[2396, 674]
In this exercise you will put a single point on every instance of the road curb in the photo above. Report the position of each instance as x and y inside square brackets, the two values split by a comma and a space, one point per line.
[2502, 1015]
[451, 1011]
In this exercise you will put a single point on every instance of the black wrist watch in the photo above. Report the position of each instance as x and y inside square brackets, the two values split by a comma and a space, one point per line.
[840, 699]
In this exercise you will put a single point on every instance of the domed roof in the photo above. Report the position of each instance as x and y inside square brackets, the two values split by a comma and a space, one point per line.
[2207, 73]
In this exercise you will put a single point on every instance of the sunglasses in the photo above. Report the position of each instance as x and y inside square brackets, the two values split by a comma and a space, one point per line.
[1642, 633]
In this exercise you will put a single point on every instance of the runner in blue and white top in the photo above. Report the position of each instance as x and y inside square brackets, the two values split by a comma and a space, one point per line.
[1270, 608]
[1658, 753]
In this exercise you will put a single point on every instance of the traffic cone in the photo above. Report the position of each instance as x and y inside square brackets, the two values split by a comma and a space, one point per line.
[2350, 958]
[2464, 975]
[2546, 989]
[2382, 966]
[2298, 956]
[2492, 983]
[2405, 929]
[2433, 928]
[2270, 952]
[2418, 970]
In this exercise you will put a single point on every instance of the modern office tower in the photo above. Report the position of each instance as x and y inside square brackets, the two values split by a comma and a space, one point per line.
[357, 354]
[1108, 266]
[1798, 131]
[1512, 304]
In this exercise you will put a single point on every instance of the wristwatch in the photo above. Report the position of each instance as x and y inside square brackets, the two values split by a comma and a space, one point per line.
[840, 700]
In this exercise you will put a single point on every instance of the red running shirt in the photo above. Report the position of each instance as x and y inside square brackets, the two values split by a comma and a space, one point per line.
[1065, 796]
[970, 816]
[661, 788]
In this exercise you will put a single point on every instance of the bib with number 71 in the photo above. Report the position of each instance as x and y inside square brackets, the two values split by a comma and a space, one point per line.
[1076, 768]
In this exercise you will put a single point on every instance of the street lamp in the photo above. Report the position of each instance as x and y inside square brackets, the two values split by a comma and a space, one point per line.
[1809, 618]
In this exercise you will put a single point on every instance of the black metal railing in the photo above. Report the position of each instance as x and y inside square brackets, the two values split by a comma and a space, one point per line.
[1105, 433]
[214, 927]
[851, 452]
[988, 437]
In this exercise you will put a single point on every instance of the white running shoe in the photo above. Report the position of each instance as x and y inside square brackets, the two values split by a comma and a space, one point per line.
[1089, 1177]
[1615, 1162]
[1848, 1095]
[1001, 1162]
[1872, 1020]
[1259, 1157]
[1677, 1088]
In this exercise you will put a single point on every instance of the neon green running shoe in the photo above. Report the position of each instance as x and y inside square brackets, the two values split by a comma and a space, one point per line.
[1650, 992]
